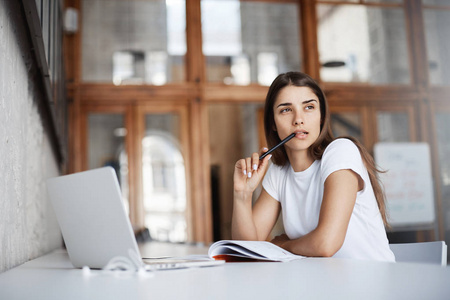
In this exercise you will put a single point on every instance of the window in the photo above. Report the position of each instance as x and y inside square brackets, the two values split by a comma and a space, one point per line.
[133, 42]
[372, 52]
[226, 148]
[106, 147]
[437, 29]
[346, 123]
[443, 137]
[249, 42]
[393, 126]
[164, 178]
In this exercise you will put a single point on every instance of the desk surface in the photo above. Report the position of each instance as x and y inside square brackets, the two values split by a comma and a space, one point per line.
[53, 277]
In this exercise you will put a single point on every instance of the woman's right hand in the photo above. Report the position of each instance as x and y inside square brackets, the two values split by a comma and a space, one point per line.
[248, 172]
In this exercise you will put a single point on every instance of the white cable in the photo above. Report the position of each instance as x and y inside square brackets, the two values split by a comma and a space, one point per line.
[122, 266]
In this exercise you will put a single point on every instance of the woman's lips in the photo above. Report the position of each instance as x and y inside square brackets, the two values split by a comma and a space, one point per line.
[301, 134]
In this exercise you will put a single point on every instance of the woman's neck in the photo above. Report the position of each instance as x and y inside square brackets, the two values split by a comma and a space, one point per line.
[299, 160]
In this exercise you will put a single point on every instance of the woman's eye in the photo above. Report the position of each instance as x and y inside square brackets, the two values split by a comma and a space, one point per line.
[309, 107]
[285, 110]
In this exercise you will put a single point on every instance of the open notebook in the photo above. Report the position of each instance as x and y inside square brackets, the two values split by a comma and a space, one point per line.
[94, 224]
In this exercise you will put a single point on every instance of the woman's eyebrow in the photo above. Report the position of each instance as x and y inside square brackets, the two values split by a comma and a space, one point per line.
[289, 103]
[308, 101]
[284, 104]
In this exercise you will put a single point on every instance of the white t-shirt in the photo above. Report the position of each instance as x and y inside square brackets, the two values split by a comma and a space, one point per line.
[300, 195]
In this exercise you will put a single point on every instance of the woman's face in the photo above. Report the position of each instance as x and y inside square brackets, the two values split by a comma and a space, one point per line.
[297, 109]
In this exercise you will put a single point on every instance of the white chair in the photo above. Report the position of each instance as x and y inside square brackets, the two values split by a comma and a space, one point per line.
[429, 252]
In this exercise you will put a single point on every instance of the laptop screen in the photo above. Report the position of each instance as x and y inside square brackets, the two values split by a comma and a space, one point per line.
[92, 217]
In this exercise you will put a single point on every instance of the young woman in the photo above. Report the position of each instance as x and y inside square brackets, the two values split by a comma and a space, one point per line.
[327, 189]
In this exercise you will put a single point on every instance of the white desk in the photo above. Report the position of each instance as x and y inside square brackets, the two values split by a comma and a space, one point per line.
[53, 277]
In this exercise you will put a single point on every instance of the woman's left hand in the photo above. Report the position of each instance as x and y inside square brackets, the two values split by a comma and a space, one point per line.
[280, 240]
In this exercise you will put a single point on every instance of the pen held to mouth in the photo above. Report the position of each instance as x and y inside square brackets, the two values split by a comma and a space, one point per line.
[278, 145]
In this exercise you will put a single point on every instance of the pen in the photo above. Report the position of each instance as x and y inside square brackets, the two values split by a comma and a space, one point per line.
[280, 144]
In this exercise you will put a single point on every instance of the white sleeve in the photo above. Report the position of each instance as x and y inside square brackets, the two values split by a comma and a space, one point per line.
[343, 154]
[270, 181]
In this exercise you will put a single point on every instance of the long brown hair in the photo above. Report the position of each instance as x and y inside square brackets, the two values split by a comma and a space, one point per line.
[279, 156]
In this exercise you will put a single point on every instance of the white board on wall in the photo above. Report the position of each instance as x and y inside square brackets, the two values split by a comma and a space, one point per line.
[408, 182]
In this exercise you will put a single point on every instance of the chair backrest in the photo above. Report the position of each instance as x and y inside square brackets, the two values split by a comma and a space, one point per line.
[429, 252]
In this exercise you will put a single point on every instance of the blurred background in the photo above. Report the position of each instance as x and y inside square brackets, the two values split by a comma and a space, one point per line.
[170, 94]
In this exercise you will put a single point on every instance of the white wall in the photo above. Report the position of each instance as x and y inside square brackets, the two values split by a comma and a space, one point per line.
[28, 226]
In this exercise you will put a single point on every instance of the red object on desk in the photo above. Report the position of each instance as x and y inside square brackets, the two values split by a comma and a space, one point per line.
[232, 258]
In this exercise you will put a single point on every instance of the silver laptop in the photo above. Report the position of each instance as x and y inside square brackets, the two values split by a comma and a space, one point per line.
[94, 224]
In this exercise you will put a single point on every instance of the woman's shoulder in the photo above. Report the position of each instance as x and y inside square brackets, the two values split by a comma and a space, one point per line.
[340, 154]
[341, 145]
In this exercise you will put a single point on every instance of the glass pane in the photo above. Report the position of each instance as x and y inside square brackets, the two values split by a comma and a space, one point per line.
[350, 1]
[374, 52]
[437, 31]
[346, 124]
[46, 27]
[226, 148]
[38, 6]
[364, 1]
[133, 42]
[393, 127]
[106, 140]
[249, 42]
[443, 138]
[164, 179]
[436, 2]
[384, 1]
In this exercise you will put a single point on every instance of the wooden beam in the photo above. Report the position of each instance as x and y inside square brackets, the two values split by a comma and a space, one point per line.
[195, 62]
[234, 93]
[137, 93]
[201, 191]
[358, 93]
[310, 49]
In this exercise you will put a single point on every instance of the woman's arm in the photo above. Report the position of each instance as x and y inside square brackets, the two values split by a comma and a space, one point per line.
[252, 223]
[338, 202]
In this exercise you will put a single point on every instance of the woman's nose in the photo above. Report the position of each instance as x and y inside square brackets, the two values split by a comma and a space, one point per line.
[298, 119]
